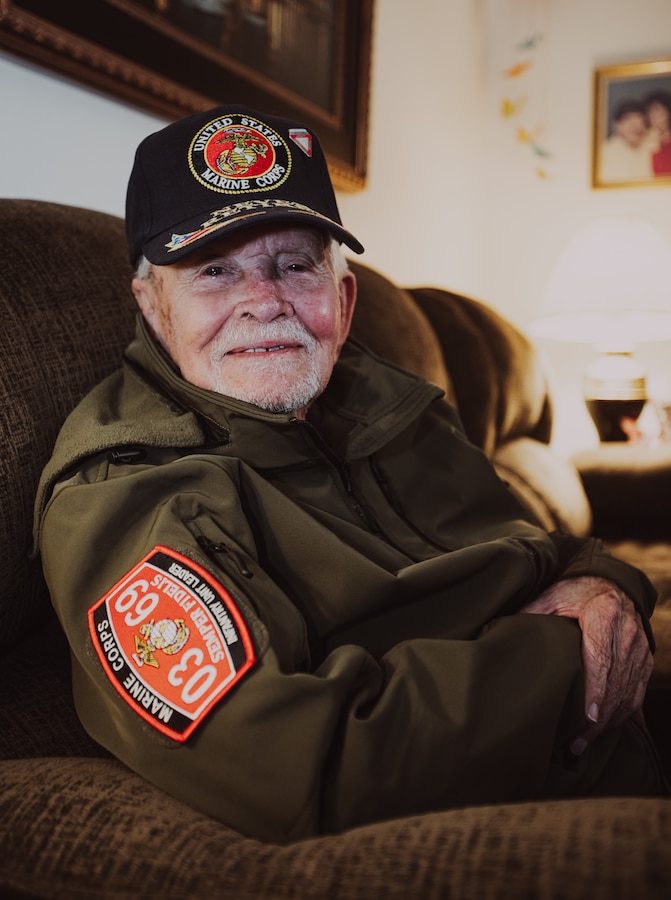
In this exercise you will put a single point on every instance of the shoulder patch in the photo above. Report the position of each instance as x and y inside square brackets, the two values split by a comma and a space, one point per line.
[171, 640]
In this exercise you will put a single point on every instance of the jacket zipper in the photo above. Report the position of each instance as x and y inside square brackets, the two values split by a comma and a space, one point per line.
[344, 474]
[214, 549]
[359, 508]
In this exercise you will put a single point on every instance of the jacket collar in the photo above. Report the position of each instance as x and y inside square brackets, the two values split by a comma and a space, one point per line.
[366, 403]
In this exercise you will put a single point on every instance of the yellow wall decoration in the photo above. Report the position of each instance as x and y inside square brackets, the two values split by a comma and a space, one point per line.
[522, 85]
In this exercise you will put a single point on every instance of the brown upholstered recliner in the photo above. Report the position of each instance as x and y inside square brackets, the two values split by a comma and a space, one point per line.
[76, 823]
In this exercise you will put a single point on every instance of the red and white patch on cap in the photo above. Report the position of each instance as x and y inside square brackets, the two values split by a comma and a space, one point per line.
[171, 640]
[302, 138]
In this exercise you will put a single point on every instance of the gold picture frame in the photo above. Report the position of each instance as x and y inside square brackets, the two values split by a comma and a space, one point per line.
[303, 59]
[630, 102]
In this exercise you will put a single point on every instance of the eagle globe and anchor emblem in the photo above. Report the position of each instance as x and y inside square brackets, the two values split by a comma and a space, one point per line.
[237, 154]
[167, 635]
[242, 151]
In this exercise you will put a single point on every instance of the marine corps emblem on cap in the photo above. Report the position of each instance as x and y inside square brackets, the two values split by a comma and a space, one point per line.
[238, 154]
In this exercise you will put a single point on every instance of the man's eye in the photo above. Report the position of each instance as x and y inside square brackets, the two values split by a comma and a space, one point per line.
[298, 266]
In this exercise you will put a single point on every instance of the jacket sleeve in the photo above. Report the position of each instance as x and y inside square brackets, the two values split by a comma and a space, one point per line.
[287, 747]
[576, 555]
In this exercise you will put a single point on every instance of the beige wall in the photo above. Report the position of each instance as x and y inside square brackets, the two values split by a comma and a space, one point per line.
[422, 214]
[63, 143]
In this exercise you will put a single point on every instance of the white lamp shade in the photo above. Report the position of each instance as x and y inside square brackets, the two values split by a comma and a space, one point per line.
[611, 286]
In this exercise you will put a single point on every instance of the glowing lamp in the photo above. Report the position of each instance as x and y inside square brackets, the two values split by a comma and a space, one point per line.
[610, 287]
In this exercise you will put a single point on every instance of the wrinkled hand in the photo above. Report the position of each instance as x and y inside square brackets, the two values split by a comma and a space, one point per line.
[615, 650]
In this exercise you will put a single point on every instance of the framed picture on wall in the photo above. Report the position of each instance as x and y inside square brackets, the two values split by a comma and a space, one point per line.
[303, 59]
[632, 125]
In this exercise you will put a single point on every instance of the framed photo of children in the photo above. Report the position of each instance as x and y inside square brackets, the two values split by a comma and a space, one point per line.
[632, 125]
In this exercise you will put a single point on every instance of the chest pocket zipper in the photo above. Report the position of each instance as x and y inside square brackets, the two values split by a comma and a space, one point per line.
[216, 549]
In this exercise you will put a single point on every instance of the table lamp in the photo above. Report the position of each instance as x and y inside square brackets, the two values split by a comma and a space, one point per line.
[610, 287]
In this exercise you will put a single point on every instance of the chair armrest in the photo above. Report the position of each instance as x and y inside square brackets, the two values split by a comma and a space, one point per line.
[547, 485]
[629, 489]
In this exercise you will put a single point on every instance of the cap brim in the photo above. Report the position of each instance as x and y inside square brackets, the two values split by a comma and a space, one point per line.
[186, 237]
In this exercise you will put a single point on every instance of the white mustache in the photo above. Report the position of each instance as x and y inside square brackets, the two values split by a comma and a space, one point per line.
[244, 334]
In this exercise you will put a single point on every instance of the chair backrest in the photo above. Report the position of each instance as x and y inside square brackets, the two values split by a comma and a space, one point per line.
[488, 368]
[67, 311]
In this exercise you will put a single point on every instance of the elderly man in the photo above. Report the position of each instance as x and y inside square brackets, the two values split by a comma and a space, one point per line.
[296, 597]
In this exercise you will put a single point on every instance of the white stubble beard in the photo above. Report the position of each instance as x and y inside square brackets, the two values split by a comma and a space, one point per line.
[295, 396]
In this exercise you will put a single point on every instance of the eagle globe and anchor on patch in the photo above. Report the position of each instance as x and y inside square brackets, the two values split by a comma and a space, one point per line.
[236, 154]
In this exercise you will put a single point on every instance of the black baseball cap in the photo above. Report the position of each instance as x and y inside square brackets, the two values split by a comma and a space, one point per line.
[214, 172]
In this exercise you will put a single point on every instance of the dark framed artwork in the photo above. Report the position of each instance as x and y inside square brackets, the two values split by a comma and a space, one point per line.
[632, 125]
[305, 59]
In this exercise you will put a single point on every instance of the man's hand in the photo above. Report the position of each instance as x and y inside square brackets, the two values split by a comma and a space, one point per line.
[616, 654]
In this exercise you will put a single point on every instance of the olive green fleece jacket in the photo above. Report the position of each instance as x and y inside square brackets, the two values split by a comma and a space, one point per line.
[298, 627]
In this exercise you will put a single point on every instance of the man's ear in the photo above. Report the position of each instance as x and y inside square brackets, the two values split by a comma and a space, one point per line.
[145, 295]
[348, 290]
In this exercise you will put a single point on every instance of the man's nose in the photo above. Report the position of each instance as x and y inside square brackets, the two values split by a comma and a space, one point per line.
[263, 297]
